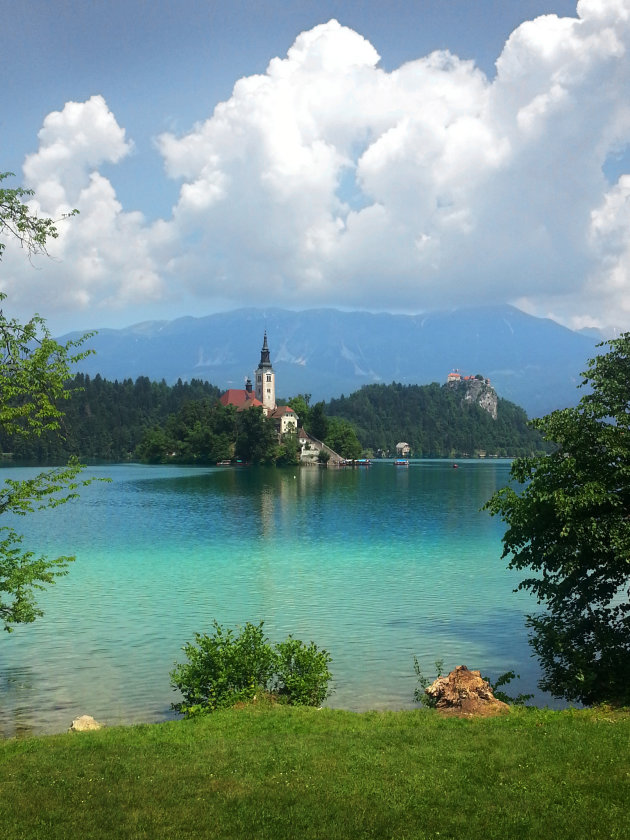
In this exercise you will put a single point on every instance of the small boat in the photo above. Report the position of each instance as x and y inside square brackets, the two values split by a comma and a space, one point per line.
[401, 462]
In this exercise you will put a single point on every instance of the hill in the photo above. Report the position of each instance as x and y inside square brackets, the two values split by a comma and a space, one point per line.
[106, 420]
[437, 420]
[533, 362]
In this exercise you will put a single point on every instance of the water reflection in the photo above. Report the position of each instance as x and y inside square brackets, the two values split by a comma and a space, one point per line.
[375, 565]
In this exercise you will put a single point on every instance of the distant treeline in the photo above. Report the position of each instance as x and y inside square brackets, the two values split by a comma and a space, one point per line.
[434, 421]
[107, 420]
[118, 421]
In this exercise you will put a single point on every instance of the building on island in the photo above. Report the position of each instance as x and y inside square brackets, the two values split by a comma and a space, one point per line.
[240, 397]
[266, 380]
[263, 394]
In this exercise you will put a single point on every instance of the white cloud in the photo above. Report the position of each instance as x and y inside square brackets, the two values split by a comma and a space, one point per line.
[328, 180]
[104, 258]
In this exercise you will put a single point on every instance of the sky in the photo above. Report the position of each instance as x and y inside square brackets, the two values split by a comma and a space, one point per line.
[398, 156]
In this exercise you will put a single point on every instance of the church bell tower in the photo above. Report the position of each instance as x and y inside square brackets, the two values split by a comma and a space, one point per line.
[266, 380]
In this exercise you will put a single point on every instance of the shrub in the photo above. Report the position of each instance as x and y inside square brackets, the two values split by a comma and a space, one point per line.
[225, 668]
[419, 694]
[302, 674]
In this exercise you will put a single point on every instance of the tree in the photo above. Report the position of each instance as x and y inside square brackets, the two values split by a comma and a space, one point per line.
[569, 525]
[289, 450]
[18, 222]
[257, 440]
[342, 438]
[300, 404]
[318, 422]
[33, 371]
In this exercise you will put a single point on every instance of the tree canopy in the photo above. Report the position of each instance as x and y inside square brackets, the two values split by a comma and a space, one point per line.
[435, 421]
[568, 524]
[33, 372]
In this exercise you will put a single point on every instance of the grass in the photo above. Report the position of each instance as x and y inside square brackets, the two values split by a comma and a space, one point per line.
[283, 773]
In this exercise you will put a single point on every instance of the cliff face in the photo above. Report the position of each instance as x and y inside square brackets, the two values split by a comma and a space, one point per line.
[478, 391]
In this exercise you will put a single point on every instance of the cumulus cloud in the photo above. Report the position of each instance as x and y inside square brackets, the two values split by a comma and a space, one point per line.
[328, 180]
[104, 258]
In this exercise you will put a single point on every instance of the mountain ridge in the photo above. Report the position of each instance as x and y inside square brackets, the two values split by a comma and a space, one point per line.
[533, 362]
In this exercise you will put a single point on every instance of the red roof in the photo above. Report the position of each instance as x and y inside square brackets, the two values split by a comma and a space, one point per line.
[282, 410]
[240, 398]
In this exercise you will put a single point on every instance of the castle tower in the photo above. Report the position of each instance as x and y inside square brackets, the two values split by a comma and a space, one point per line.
[266, 380]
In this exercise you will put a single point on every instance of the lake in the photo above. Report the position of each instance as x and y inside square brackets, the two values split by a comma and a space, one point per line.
[374, 564]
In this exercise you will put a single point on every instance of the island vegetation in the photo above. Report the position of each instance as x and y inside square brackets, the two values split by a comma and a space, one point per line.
[185, 423]
[436, 421]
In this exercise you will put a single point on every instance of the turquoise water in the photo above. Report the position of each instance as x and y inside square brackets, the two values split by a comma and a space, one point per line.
[374, 564]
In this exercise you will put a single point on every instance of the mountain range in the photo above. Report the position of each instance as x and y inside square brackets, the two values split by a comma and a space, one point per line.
[533, 362]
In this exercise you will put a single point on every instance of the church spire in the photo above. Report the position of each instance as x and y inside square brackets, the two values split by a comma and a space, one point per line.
[265, 361]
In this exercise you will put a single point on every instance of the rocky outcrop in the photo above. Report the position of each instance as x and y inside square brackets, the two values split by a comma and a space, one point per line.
[85, 723]
[465, 693]
[480, 392]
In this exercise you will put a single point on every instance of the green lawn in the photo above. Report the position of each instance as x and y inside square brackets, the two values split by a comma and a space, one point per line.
[282, 772]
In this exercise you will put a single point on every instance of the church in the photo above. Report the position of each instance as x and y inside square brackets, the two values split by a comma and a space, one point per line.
[264, 395]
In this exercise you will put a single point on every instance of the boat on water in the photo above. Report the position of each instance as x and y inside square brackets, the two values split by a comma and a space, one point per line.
[401, 462]
[356, 462]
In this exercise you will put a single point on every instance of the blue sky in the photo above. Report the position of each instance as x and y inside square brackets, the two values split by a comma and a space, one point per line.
[351, 165]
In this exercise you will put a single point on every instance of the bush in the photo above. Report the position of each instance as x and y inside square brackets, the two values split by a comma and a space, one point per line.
[227, 667]
[223, 668]
[302, 673]
[419, 694]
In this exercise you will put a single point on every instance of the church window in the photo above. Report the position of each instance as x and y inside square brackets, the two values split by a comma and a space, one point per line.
[268, 377]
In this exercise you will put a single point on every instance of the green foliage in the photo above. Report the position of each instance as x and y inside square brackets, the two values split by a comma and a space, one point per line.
[34, 370]
[20, 223]
[300, 404]
[200, 432]
[302, 674]
[256, 439]
[506, 679]
[568, 524]
[419, 694]
[225, 668]
[20, 574]
[318, 422]
[288, 451]
[342, 438]
[107, 420]
[435, 420]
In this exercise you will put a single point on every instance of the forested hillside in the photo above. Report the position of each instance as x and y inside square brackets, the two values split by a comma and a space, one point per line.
[107, 420]
[435, 422]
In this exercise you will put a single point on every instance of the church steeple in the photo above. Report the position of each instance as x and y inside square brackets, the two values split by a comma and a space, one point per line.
[266, 379]
[264, 354]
